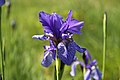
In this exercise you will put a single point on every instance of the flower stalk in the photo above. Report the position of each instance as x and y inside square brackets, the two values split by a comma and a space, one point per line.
[59, 69]
[104, 43]
[2, 48]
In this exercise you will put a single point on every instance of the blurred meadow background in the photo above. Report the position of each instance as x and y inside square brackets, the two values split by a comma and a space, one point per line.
[23, 54]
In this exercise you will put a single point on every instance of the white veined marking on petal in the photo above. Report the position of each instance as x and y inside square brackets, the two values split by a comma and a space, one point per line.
[76, 24]
[62, 45]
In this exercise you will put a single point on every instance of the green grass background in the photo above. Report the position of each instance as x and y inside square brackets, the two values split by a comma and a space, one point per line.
[24, 54]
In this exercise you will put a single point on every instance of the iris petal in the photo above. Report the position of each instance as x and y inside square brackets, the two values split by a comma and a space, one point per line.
[73, 68]
[87, 75]
[40, 37]
[56, 23]
[94, 71]
[75, 26]
[48, 59]
[62, 51]
[96, 74]
[2, 2]
[71, 52]
[92, 63]
[66, 52]
[72, 25]
[45, 20]
[79, 48]
[69, 16]
[66, 24]
[88, 56]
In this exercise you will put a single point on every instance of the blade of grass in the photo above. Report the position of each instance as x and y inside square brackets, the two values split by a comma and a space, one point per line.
[104, 43]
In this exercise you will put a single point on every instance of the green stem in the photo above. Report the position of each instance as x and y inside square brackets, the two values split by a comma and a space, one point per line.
[104, 43]
[2, 49]
[59, 69]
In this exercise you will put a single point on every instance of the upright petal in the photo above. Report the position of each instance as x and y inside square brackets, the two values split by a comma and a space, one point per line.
[64, 27]
[75, 26]
[45, 20]
[72, 25]
[69, 16]
[48, 59]
[56, 23]
[40, 37]
[2, 2]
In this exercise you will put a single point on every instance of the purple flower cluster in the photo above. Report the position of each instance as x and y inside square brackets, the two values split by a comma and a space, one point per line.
[59, 33]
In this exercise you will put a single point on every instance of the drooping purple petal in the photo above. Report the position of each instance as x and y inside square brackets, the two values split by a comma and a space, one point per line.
[99, 73]
[71, 52]
[87, 75]
[94, 71]
[2, 2]
[73, 68]
[62, 52]
[66, 52]
[79, 48]
[48, 59]
[87, 57]
[96, 74]
[40, 37]
[52, 49]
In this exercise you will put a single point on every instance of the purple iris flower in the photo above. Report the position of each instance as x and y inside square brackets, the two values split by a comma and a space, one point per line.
[92, 71]
[59, 33]
[2, 2]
